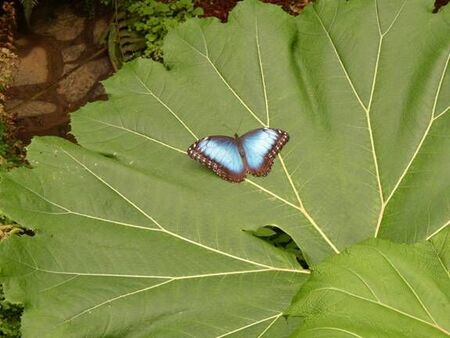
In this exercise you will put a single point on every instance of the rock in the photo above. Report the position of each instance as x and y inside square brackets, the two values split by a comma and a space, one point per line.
[98, 93]
[33, 68]
[78, 84]
[72, 53]
[68, 67]
[101, 26]
[32, 108]
[22, 42]
[67, 26]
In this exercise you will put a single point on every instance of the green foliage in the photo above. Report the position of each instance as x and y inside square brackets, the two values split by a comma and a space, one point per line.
[7, 158]
[10, 150]
[3, 146]
[9, 147]
[9, 313]
[163, 246]
[153, 19]
[9, 318]
[397, 290]
[89, 6]
[28, 6]
[137, 21]
[280, 239]
[139, 27]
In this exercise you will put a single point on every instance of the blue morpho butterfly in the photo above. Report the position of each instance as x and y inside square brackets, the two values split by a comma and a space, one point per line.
[232, 158]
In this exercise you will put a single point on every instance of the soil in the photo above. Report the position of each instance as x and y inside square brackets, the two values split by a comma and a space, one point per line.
[221, 8]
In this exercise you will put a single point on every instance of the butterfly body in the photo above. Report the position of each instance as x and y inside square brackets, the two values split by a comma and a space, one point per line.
[232, 158]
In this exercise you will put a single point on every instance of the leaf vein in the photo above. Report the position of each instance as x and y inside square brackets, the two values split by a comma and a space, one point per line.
[368, 118]
[165, 106]
[252, 324]
[442, 113]
[405, 281]
[395, 18]
[261, 70]
[68, 211]
[441, 262]
[438, 230]
[300, 209]
[385, 306]
[333, 329]
[310, 219]
[416, 152]
[339, 60]
[136, 133]
[154, 220]
[236, 95]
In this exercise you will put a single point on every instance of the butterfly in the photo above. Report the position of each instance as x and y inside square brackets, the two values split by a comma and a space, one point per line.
[232, 158]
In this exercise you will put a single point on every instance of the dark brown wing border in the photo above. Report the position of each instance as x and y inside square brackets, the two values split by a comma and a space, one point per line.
[283, 138]
[217, 168]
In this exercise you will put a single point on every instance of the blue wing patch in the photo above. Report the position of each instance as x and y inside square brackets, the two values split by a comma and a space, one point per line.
[231, 158]
[257, 144]
[223, 151]
[261, 146]
[221, 154]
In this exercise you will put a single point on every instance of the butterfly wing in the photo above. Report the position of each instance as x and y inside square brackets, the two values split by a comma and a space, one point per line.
[261, 146]
[221, 154]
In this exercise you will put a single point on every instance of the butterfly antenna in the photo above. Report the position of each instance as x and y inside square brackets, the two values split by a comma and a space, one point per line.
[234, 131]
[228, 127]
[240, 124]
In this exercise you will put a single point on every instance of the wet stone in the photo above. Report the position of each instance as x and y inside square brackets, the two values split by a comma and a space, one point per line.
[68, 67]
[78, 84]
[22, 42]
[72, 53]
[32, 108]
[32, 68]
[67, 26]
[100, 29]
[98, 93]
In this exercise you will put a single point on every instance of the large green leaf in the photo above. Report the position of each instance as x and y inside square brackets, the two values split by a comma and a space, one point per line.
[120, 252]
[135, 239]
[363, 88]
[396, 291]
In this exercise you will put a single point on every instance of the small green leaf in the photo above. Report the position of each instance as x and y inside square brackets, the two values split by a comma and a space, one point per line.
[264, 232]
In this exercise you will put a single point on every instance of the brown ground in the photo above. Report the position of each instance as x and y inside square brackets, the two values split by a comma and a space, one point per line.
[221, 8]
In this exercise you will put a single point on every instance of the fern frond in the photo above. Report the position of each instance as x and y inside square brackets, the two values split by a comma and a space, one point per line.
[28, 8]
